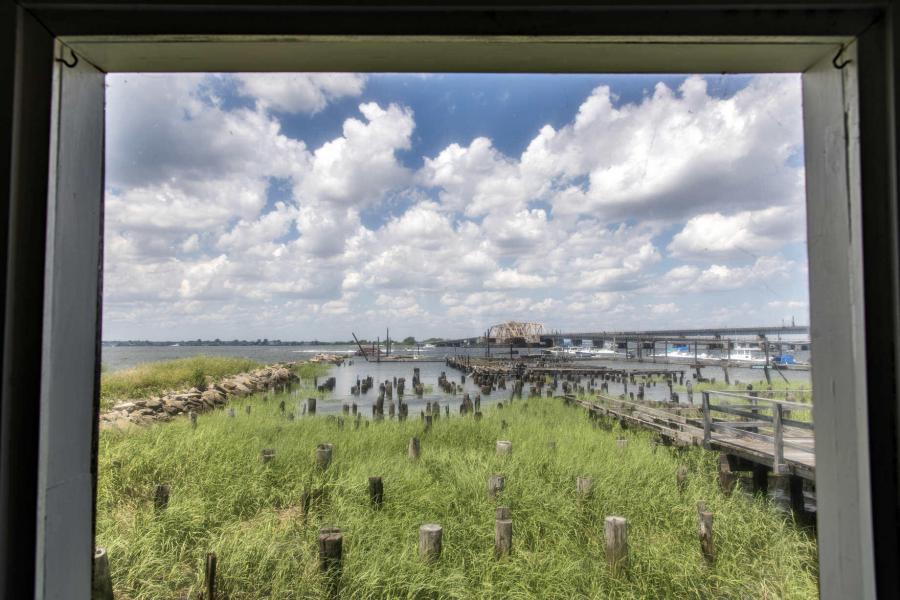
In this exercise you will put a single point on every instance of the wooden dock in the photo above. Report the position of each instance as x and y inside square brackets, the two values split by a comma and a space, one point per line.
[752, 429]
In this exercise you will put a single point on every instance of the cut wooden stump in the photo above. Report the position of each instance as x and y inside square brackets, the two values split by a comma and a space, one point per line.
[101, 584]
[495, 485]
[583, 486]
[376, 491]
[705, 525]
[430, 541]
[727, 478]
[161, 497]
[681, 478]
[413, 448]
[266, 455]
[502, 537]
[331, 542]
[615, 531]
[504, 447]
[323, 456]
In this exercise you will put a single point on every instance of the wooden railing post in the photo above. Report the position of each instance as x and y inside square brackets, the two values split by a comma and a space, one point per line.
[707, 419]
[778, 460]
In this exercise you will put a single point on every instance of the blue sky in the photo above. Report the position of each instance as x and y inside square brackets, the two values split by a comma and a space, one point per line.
[301, 206]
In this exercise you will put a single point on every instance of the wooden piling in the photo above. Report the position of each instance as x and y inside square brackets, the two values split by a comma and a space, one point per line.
[161, 497]
[727, 478]
[101, 583]
[495, 485]
[323, 456]
[504, 447]
[266, 455]
[430, 541]
[502, 537]
[413, 450]
[193, 417]
[583, 486]
[247, 409]
[705, 523]
[310, 406]
[376, 492]
[502, 513]
[615, 530]
[209, 579]
[428, 421]
[681, 478]
[331, 545]
[760, 479]
[231, 413]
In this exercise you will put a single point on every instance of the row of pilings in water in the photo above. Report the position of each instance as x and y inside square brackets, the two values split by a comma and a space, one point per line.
[494, 375]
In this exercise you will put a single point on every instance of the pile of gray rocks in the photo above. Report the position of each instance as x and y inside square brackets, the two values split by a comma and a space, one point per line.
[162, 408]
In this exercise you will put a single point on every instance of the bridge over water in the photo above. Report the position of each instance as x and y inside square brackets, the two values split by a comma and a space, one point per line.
[700, 335]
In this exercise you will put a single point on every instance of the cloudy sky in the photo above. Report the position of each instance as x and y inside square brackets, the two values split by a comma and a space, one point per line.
[308, 206]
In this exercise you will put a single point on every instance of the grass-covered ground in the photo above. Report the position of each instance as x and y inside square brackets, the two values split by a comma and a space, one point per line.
[223, 499]
[153, 378]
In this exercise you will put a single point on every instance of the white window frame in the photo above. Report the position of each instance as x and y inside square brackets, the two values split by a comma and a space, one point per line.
[836, 179]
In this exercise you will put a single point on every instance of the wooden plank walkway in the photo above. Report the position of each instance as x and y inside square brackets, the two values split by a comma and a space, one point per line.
[754, 445]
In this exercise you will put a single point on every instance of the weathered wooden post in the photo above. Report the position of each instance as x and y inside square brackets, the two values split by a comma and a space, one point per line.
[209, 579]
[778, 425]
[502, 513]
[705, 522]
[193, 417]
[310, 406]
[681, 478]
[707, 421]
[504, 447]
[502, 537]
[430, 541]
[266, 455]
[231, 413]
[583, 486]
[101, 584]
[281, 406]
[161, 497]
[376, 492]
[331, 542]
[323, 456]
[413, 449]
[495, 485]
[615, 530]
[247, 409]
[428, 420]
[727, 478]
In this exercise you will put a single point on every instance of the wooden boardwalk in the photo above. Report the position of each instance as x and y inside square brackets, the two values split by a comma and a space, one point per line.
[757, 431]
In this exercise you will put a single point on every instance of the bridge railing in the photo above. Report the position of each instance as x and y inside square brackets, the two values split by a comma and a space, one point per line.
[758, 418]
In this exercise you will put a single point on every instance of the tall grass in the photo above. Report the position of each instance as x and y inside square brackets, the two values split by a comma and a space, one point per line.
[224, 500]
[152, 378]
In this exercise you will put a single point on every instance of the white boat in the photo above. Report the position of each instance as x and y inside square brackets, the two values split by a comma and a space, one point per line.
[428, 346]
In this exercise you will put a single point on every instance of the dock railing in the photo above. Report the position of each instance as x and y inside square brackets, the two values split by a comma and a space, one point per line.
[777, 424]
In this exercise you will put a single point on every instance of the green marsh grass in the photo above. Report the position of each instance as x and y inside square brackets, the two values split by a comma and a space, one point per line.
[148, 379]
[223, 499]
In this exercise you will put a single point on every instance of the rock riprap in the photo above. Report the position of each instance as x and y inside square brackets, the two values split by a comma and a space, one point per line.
[145, 411]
